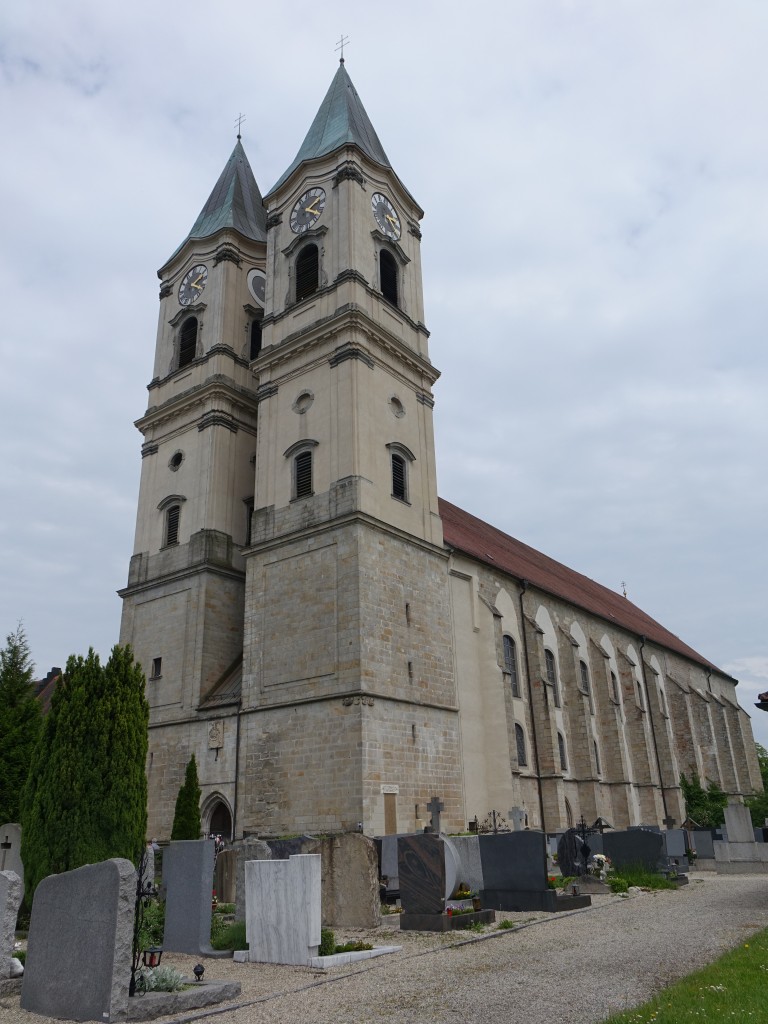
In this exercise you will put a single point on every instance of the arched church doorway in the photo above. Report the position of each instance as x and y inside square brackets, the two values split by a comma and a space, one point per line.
[220, 823]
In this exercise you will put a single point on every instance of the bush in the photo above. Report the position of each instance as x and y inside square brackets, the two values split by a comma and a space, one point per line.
[327, 942]
[153, 925]
[636, 874]
[617, 884]
[230, 936]
[352, 947]
[505, 925]
[161, 979]
[224, 908]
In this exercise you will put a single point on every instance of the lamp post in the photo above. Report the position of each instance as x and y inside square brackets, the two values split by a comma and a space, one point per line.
[145, 891]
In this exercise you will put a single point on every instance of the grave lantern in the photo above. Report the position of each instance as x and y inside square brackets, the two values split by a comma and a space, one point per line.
[198, 970]
[151, 957]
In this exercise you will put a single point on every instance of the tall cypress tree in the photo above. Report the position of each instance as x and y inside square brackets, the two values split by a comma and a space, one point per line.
[186, 817]
[86, 794]
[20, 722]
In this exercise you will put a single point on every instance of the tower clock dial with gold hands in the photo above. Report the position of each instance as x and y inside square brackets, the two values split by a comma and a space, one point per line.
[191, 288]
[307, 210]
[385, 215]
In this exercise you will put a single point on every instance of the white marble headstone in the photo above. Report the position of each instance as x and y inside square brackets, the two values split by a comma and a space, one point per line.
[738, 824]
[282, 909]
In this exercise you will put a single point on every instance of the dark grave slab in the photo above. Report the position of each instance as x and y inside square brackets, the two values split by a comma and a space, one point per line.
[514, 860]
[547, 900]
[421, 871]
[704, 844]
[87, 912]
[674, 843]
[188, 882]
[444, 922]
[636, 846]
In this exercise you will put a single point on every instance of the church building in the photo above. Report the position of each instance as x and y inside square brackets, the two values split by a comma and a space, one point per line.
[338, 647]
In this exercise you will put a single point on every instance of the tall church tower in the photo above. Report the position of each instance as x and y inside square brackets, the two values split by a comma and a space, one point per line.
[348, 700]
[288, 596]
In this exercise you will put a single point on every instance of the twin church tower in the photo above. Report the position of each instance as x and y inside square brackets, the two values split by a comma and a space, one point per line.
[288, 594]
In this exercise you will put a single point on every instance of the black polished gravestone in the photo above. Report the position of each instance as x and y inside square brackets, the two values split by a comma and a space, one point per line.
[428, 867]
[636, 847]
[515, 874]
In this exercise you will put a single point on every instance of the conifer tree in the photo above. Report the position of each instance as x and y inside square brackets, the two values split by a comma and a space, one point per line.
[186, 817]
[20, 722]
[86, 794]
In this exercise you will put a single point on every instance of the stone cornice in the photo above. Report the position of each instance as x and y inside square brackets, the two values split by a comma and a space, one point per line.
[315, 234]
[217, 418]
[348, 171]
[227, 252]
[350, 351]
[194, 309]
[149, 449]
[179, 576]
[424, 399]
[218, 387]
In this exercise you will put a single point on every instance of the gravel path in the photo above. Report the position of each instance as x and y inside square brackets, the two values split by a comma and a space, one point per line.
[563, 968]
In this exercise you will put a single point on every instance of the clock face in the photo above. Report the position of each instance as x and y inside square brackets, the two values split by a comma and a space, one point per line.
[307, 210]
[191, 288]
[257, 281]
[385, 215]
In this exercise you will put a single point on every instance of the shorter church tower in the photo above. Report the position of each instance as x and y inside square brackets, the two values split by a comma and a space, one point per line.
[183, 605]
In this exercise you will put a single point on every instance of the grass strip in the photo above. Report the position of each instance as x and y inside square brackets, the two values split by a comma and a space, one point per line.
[731, 989]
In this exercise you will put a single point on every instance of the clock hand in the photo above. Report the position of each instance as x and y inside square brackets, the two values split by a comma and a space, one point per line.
[311, 208]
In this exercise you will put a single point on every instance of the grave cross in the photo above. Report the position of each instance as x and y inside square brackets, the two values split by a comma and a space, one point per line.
[669, 821]
[434, 806]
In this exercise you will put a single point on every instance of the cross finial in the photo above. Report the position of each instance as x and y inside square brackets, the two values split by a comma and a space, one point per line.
[341, 44]
[624, 588]
[238, 121]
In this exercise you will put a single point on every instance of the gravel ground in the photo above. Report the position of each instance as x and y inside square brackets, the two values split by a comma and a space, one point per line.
[563, 968]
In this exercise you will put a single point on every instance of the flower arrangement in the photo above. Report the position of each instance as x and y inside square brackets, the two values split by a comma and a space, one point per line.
[599, 865]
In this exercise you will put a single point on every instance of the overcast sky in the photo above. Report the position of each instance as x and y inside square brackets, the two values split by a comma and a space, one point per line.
[595, 251]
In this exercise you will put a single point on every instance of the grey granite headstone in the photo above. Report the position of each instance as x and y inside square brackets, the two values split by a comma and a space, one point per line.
[674, 841]
[517, 817]
[11, 893]
[738, 824]
[188, 883]
[10, 849]
[78, 964]
[515, 861]
[637, 846]
[704, 844]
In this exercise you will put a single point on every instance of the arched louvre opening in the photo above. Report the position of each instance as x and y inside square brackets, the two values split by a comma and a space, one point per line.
[307, 272]
[172, 517]
[399, 478]
[303, 475]
[388, 276]
[188, 341]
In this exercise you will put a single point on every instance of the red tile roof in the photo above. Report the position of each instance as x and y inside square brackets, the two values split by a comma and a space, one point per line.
[487, 544]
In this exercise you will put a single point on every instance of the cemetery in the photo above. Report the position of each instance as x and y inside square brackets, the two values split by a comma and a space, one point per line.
[288, 896]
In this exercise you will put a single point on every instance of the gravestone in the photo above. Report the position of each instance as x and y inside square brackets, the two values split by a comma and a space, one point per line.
[282, 909]
[188, 884]
[248, 849]
[738, 824]
[637, 846]
[421, 869]
[11, 893]
[10, 849]
[470, 866]
[78, 962]
[704, 843]
[515, 874]
[675, 845]
[517, 817]
[388, 860]
[435, 806]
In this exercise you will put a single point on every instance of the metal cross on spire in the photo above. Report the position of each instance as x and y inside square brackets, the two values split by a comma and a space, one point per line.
[238, 121]
[341, 44]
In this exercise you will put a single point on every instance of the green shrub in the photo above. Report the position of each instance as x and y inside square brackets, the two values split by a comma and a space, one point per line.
[20, 954]
[504, 925]
[352, 947]
[225, 908]
[327, 942]
[162, 979]
[153, 925]
[617, 884]
[636, 874]
[230, 936]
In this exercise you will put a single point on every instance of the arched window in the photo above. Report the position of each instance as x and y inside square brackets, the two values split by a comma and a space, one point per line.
[399, 477]
[172, 517]
[663, 702]
[302, 475]
[188, 341]
[307, 272]
[584, 672]
[568, 813]
[388, 276]
[615, 687]
[255, 337]
[640, 701]
[510, 664]
[522, 757]
[549, 660]
[597, 758]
